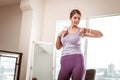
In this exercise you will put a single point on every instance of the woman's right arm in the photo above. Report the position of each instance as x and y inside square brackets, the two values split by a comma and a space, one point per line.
[62, 33]
[58, 42]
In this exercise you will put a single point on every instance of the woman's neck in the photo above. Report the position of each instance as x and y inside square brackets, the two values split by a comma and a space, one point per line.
[72, 27]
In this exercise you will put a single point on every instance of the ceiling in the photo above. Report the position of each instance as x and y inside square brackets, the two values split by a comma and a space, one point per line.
[8, 2]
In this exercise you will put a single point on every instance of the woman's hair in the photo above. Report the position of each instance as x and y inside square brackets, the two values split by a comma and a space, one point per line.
[74, 11]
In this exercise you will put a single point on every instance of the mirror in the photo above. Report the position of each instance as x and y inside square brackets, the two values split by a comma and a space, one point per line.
[10, 63]
[43, 61]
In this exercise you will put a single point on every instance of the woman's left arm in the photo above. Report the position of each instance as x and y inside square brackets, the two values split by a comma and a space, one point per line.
[92, 33]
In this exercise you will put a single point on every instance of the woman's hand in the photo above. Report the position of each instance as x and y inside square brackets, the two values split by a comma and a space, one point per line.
[63, 33]
[82, 32]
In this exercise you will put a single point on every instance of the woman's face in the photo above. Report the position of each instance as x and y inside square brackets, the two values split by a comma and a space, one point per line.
[75, 19]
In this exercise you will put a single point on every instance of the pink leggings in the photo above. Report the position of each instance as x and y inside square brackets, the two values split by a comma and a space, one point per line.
[72, 66]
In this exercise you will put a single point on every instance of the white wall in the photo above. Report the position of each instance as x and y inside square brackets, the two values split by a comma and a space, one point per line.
[10, 23]
[60, 9]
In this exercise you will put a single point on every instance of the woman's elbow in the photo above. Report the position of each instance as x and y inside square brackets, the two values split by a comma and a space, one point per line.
[99, 35]
[58, 47]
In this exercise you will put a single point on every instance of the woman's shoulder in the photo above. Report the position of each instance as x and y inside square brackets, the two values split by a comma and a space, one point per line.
[65, 28]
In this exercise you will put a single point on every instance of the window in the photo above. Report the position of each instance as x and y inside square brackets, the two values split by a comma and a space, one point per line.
[101, 54]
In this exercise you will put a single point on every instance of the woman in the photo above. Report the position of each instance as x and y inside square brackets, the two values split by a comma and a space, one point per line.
[72, 61]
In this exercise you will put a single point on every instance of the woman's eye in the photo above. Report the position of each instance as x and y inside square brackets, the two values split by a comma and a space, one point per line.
[77, 18]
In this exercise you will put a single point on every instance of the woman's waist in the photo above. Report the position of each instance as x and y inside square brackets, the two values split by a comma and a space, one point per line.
[72, 51]
[71, 48]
